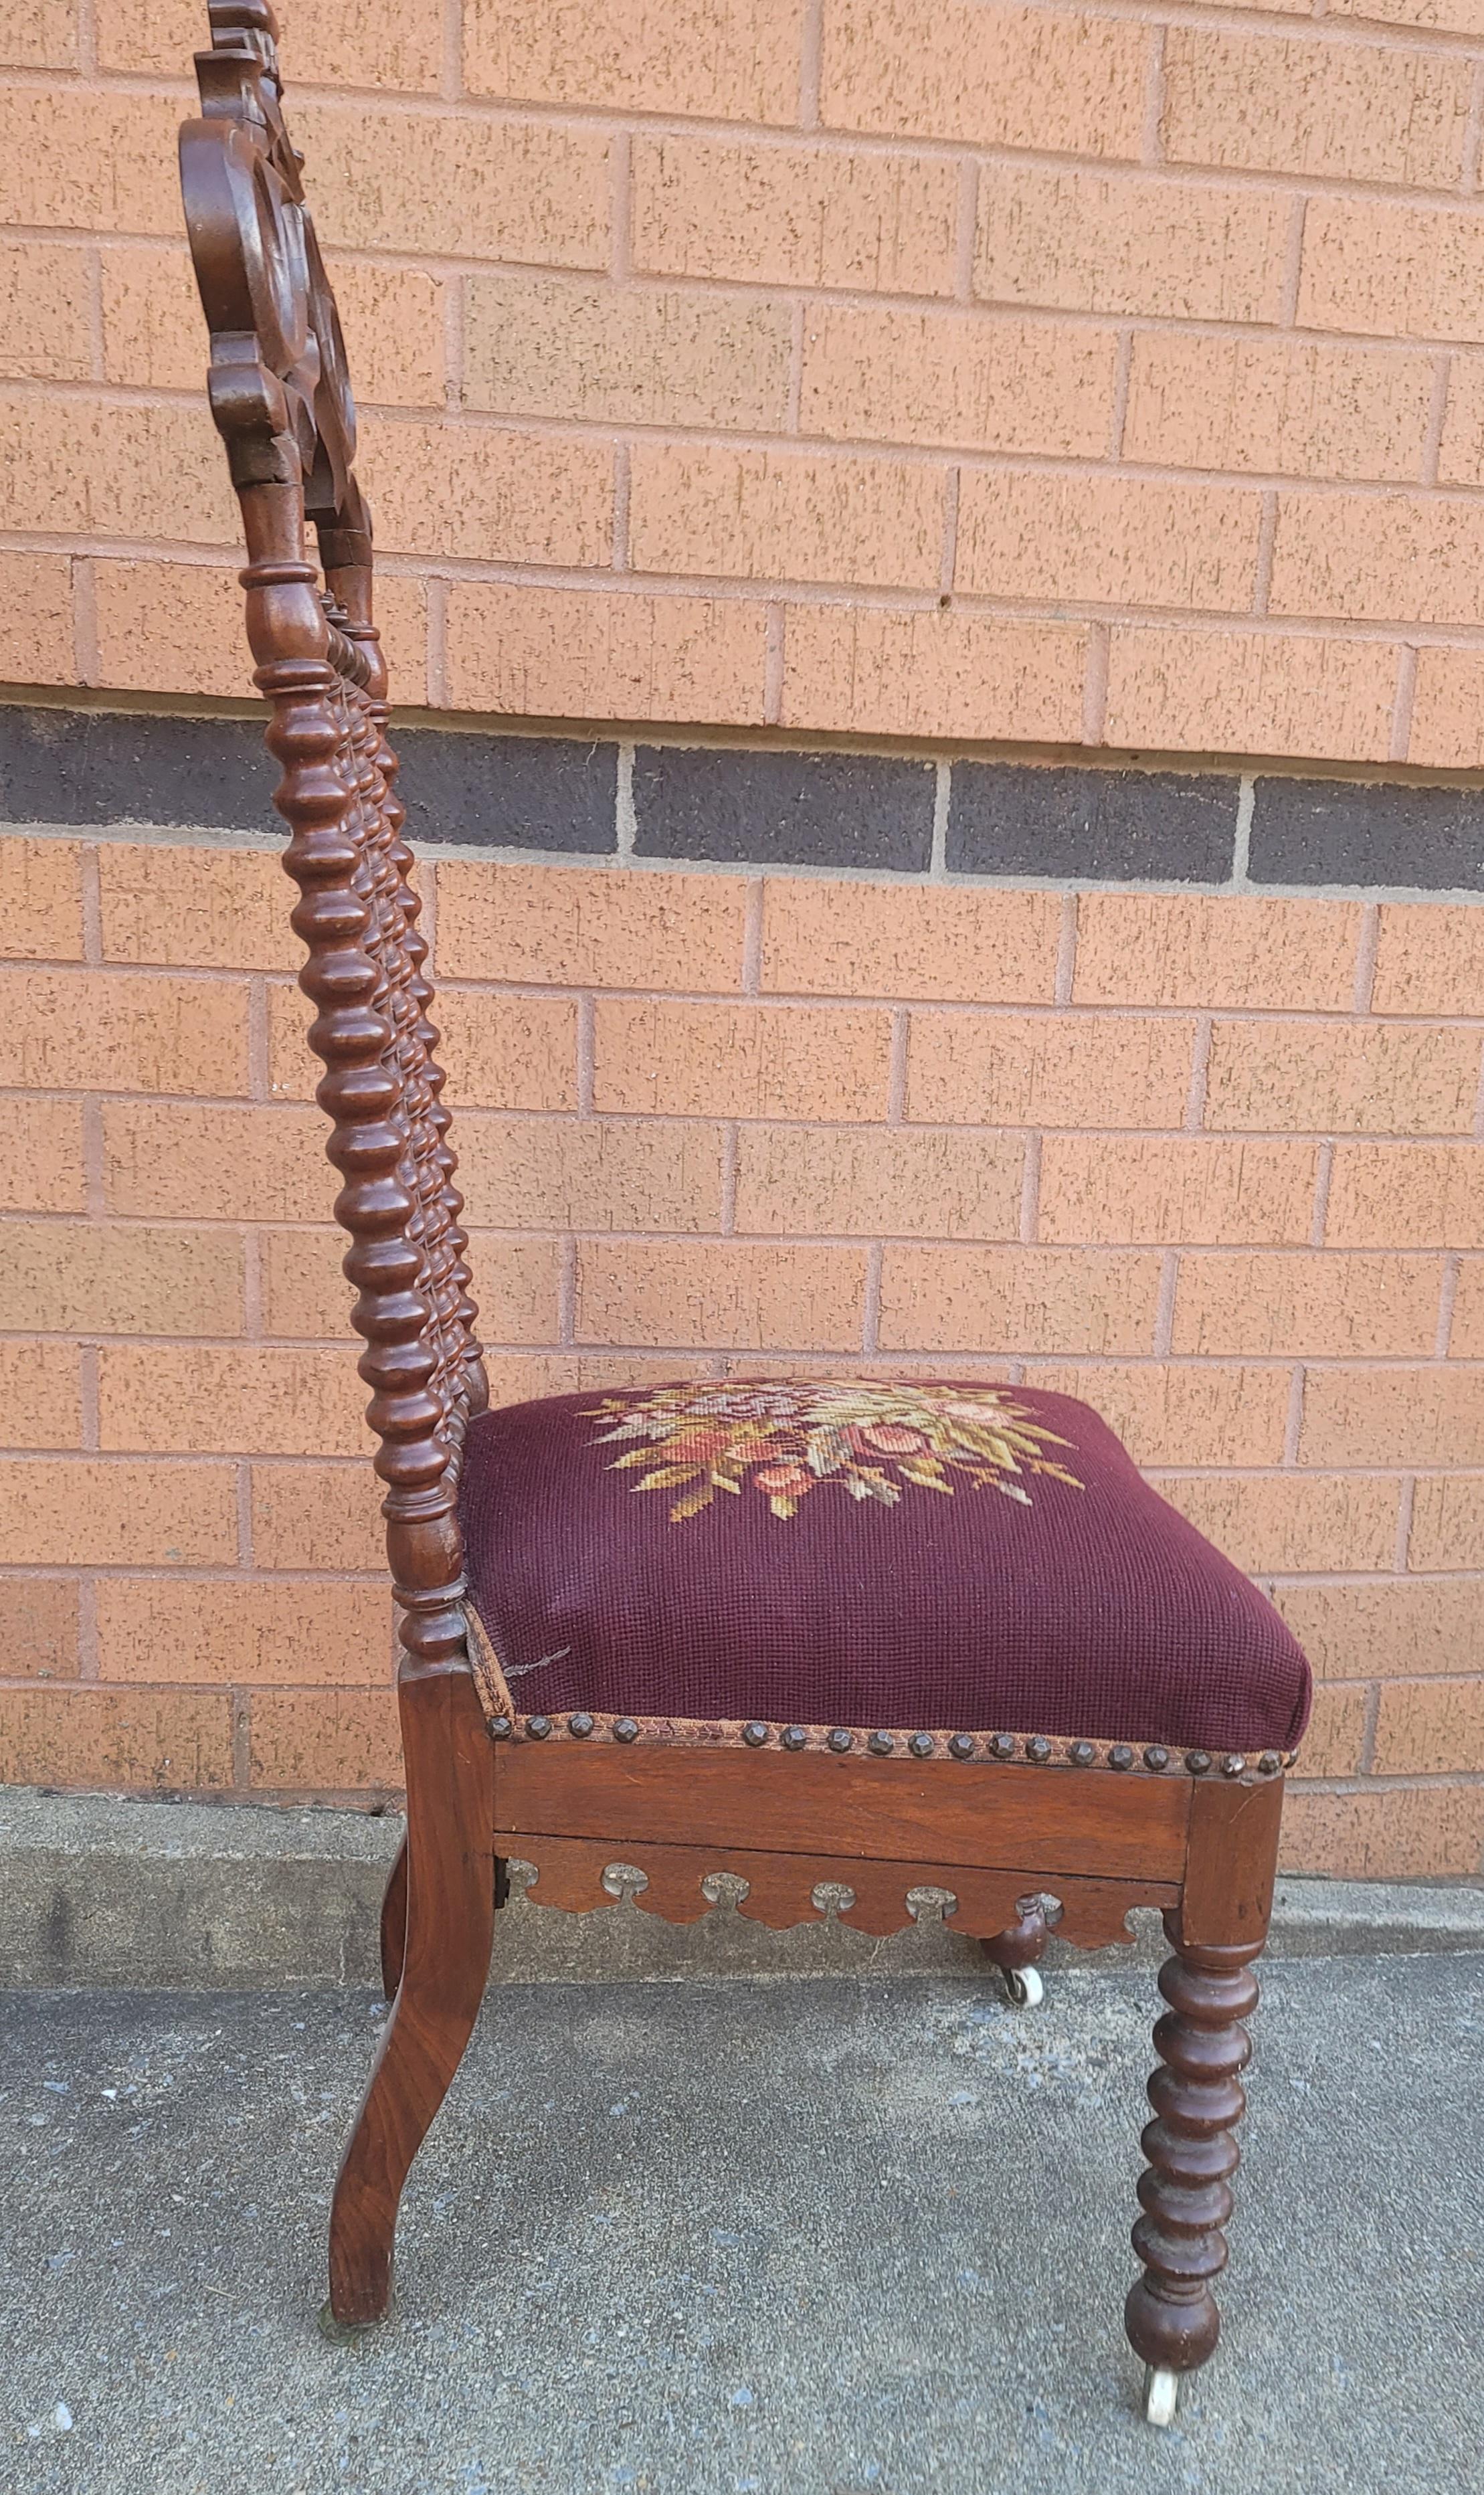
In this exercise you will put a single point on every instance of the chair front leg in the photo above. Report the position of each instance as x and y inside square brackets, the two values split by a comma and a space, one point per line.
[449, 1920]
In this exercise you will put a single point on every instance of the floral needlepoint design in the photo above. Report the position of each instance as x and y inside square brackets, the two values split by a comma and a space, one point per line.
[861, 1435]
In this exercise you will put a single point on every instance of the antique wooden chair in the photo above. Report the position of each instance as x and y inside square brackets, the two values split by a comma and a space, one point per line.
[791, 1632]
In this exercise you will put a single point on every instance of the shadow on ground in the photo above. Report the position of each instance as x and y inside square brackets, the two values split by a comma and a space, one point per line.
[743, 2238]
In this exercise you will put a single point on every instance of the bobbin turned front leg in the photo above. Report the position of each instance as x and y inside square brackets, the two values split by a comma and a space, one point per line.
[1016, 1950]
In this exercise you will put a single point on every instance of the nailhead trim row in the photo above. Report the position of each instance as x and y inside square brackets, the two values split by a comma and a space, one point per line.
[1038, 1749]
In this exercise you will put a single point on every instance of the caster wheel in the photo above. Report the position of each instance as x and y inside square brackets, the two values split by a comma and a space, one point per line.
[1161, 2391]
[1023, 1987]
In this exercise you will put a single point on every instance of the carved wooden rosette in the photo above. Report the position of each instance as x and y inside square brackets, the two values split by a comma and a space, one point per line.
[280, 399]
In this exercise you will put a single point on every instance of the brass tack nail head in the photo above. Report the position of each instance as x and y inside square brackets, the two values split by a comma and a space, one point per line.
[921, 1745]
[1003, 1746]
[1038, 1749]
[961, 1746]
[1157, 1757]
[1234, 1765]
[754, 1735]
[1082, 1754]
[880, 1745]
[1198, 1762]
[1269, 1764]
[579, 1725]
[537, 1727]
[840, 1740]
[794, 1736]
[625, 1729]
[1120, 1756]
[500, 1728]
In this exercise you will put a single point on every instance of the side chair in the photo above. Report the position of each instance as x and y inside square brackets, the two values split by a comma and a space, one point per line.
[847, 1640]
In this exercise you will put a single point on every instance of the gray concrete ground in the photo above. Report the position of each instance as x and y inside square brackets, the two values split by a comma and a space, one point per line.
[856, 2236]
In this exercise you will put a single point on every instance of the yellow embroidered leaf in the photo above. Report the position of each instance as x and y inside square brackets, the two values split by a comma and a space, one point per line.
[691, 1504]
[666, 1477]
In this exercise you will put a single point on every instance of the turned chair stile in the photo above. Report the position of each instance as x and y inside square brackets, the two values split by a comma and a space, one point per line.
[795, 1708]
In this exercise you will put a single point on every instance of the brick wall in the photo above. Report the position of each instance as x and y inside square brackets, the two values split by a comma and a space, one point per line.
[925, 367]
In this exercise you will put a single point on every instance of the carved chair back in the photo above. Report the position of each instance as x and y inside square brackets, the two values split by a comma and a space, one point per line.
[281, 397]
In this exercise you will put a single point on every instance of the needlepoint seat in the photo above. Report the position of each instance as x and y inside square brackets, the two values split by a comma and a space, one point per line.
[884, 1554]
[870, 1647]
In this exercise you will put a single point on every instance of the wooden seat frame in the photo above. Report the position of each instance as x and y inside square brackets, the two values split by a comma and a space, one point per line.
[1014, 1832]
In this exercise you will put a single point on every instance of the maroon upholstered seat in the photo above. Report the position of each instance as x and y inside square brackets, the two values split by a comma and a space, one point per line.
[861, 1553]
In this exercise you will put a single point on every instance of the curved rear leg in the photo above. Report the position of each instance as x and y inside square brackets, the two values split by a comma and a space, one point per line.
[394, 1923]
[451, 1905]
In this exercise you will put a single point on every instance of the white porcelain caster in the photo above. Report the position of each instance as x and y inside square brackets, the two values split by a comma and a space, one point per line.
[1023, 1987]
[1161, 2391]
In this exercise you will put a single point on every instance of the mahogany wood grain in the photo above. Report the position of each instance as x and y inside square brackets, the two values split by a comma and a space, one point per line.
[394, 1923]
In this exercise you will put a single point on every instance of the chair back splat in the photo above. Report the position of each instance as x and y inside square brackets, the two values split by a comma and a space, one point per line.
[281, 396]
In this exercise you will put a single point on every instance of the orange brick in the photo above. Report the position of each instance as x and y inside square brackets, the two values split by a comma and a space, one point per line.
[1463, 433]
[1280, 105]
[1250, 693]
[1392, 1627]
[153, 336]
[852, 1181]
[1167, 1414]
[1447, 721]
[36, 637]
[41, 900]
[1390, 270]
[988, 948]
[746, 1061]
[45, 317]
[1147, 948]
[213, 909]
[1176, 1190]
[1429, 960]
[93, 160]
[580, 1174]
[1407, 1196]
[1426, 1726]
[518, 1376]
[380, 43]
[1343, 1077]
[1334, 1740]
[115, 1277]
[113, 1739]
[472, 489]
[1291, 1521]
[733, 60]
[306, 1297]
[1004, 78]
[866, 670]
[249, 1400]
[107, 1032]
[1413, 1833]
[215, 1165]
[113, 468]
[1048, 1069]
[632, 355]
[424, 183]
[1111, 539]
[177, 627]
[1466, 1340]
[394, 324]
[795, 216]
[39, 1628]
[724, 1293]
[80, 1513]
[317, 1517]
[1358, 556]
[1404, 1416]
[957, 377]
[1307, 1306]
[1011, 1300]
[41, 1157]
[41, 35]
[589, 927]
[497, 1052]
[766, 514]
[248, 1633]
[1459, 16]
[325, 1740]
[1276, 407]
[1449, 1525]
[585, 654]
[1091, 242]
[40, 1392]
